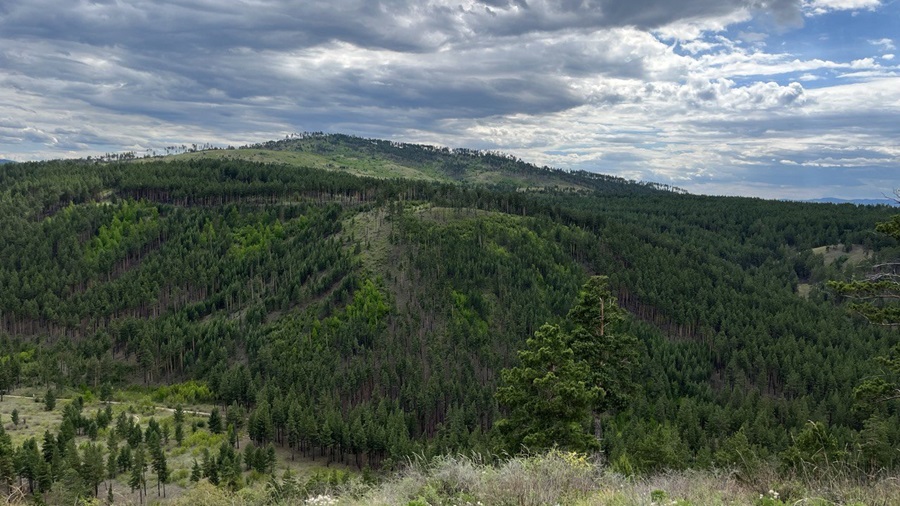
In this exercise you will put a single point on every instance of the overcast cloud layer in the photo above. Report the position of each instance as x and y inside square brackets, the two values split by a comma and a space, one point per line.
[771, 98]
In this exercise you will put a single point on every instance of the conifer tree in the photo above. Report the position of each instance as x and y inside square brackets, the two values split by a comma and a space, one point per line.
[136, 478]
[599, 340]
[49, 400]
[235, 418]
[93, 467]
[161, 468]
[196, 472]
[250, 456]
[547, 396]
[125, 459]
[6, 457]
[215, 421]
[48, 446]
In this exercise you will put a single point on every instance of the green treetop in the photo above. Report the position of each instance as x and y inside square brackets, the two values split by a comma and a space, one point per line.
[599, 340]
[548, 397]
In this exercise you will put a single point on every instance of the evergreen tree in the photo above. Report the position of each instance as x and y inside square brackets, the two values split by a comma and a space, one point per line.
[112, 462]
[93, 468]
[49, 400]
[136, 479]
[250, 456]
[179, 433]
[196, 472]
[873, 296]
[235, 418]
[48, 446]
[600, 341]
[270, 458]
[161, 468]
[215, 421]
[7, 469]
[547, 397]
[125, 460]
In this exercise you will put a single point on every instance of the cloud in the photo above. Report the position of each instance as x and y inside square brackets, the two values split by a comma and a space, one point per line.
[816, 7]
[885, 44]
[695, 92]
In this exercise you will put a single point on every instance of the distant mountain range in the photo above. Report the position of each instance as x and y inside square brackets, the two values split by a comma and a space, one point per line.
[4, 160]
[859, 202]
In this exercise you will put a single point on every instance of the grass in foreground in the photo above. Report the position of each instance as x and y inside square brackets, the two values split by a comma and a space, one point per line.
[559, 478]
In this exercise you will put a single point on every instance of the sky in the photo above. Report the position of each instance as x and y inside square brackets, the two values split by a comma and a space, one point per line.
[793, 99]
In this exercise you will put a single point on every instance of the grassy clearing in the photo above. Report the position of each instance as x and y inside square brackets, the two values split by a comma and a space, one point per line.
[832, 253]
[33, 419]
[370, 167]
[523, 182]
[370, 230]
[345, 160]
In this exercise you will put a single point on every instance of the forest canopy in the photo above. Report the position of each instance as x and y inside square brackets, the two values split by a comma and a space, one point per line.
[367, 318]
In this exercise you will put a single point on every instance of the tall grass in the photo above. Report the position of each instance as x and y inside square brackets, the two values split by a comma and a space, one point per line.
[565, 478]
[561, 478]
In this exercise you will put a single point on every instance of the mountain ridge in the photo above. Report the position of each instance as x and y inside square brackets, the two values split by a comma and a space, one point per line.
[388, 159]
[859, 202]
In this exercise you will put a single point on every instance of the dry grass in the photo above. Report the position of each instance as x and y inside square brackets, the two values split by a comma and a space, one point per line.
[563, 478]
[832, 253]
[33, 419]
[339, 162]
[558, 478]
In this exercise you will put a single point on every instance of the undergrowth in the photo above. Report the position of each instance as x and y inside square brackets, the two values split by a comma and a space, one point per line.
[559, 478]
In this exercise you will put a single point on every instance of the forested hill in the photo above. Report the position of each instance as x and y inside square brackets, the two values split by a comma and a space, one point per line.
[387, 159]
[367, 318]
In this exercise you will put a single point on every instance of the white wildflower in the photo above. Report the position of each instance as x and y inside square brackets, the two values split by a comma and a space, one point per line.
[321, 500]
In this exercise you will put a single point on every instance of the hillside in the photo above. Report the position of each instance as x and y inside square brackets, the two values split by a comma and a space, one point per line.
[387, 159]
[357, 299]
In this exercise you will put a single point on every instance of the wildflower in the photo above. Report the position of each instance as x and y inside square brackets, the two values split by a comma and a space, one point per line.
[321, 500]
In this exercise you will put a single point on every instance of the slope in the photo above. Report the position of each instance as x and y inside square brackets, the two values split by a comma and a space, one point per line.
[366, 318]
[388, 159]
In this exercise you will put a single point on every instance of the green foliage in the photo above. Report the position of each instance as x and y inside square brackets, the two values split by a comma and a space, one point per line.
[660, 448]
[189, 392]
[133, 223]
[49, 400]
[737, 453]
[600, 340]
[252, 239]
[215, 421]
[239, 284]
[814, 450]
[548, 397]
